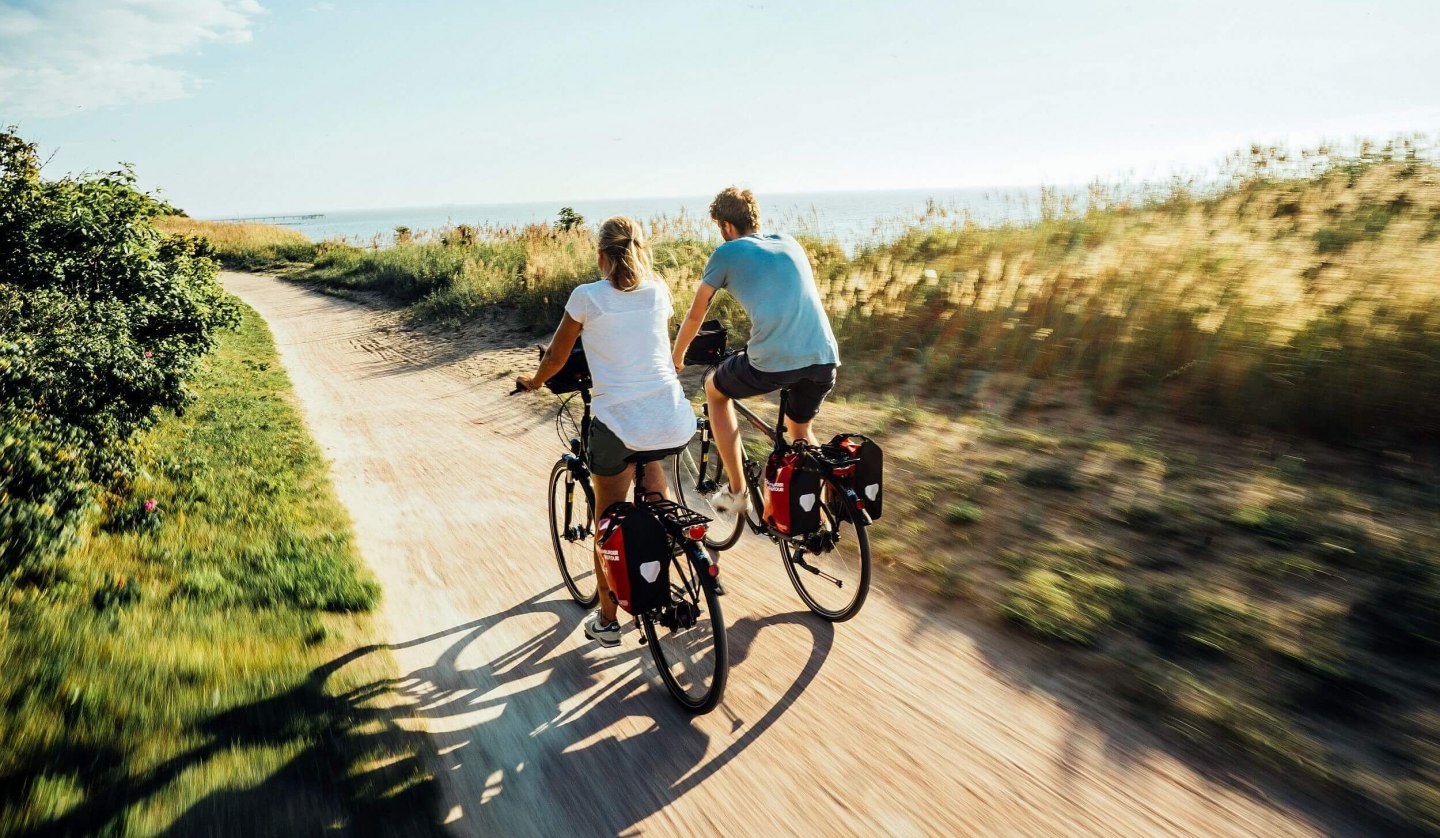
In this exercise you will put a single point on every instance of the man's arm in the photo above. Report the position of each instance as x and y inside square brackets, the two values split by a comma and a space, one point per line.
[703, 294]
[555, 355]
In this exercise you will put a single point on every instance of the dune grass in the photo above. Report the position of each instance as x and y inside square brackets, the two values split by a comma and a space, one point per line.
[171, 672]
[245, 246]
[1302, 297]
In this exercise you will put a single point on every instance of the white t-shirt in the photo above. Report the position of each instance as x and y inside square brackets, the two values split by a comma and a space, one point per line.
[627, 343]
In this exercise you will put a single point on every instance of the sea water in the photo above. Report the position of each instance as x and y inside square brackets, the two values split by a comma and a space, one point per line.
[851, 218]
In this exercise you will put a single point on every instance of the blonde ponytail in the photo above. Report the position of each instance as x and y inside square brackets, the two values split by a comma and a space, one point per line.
[622, 240]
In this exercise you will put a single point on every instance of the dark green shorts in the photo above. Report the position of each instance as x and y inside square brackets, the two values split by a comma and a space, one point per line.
[607, 452]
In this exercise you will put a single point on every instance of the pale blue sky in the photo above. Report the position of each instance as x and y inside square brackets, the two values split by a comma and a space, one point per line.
[234, 106]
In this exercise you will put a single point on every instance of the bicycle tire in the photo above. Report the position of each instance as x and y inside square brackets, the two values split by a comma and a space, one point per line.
[723, 530]
[577, 566]
[852, 561]
[701, 698]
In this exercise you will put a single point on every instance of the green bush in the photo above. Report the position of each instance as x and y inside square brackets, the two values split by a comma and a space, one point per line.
[102, 319]
[1071, 606]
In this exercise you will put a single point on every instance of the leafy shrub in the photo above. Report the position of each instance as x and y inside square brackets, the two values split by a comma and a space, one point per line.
[963, 512]
[1051, 476]
[102, 319]
[1071, 606]
[1177, 619]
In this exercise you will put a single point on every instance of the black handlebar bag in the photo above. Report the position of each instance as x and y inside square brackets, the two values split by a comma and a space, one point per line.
[709, 344]
[574, 376]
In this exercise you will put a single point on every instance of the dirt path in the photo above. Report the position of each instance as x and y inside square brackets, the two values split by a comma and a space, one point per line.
[900, 722]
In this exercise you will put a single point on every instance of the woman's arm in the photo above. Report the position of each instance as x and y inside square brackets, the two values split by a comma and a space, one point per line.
[555, 355]
[703, 294]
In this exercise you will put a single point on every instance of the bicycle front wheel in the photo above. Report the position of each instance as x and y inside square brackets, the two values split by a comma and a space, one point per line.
[696, 487]
[572, 532]
[690, 652]
[832, 573]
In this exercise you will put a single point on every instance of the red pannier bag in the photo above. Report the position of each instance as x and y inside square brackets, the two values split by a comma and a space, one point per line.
[635, 555]
[868, 480]
[792, 494]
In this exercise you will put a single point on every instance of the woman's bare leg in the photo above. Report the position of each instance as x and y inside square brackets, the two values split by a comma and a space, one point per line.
[608, 490]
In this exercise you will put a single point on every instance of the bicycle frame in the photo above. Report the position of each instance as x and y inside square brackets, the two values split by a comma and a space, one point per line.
[776, 435]
[577, 462]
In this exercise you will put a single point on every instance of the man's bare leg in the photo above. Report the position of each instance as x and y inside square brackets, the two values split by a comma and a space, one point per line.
[800, 430]
[726, 427]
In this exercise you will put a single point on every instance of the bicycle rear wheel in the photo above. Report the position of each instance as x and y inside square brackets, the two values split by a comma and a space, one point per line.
[695, 489]
[572, 530]
[833, 580]
[691, 654]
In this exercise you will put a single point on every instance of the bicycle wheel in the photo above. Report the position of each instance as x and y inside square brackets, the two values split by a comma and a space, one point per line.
[691, 654]
[833, 579]
[695, 490]
[572, 530]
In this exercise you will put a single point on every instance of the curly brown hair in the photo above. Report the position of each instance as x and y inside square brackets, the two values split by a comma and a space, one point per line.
[737, 207]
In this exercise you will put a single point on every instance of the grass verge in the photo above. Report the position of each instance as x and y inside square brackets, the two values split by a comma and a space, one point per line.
[197, 664]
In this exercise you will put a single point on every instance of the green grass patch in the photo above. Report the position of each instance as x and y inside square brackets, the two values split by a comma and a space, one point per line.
[964, 513]
[171, 671]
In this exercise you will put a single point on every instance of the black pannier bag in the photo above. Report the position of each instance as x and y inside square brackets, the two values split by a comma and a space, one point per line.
[708, 345]
[575, 375]
[635, 554]
[868, 481]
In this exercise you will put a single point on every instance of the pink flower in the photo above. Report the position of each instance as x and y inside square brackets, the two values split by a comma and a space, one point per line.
[149, 354]
[150, 504]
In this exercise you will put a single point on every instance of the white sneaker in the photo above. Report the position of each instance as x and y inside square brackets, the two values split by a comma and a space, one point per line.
[596, 629]
[730, 503]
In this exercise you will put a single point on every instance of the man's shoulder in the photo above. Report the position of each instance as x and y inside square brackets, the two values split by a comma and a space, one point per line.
[767, 242]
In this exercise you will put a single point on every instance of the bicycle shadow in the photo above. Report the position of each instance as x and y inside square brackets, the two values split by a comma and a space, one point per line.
[546, 736]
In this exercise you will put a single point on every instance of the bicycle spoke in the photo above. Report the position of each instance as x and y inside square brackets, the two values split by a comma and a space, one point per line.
[571, 528]
[831, 572]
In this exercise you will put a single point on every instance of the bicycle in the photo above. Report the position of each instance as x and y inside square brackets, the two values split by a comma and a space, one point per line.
[830, 570]
[686, 635]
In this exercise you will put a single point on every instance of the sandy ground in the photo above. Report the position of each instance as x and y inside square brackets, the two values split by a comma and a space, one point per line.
[907, 720]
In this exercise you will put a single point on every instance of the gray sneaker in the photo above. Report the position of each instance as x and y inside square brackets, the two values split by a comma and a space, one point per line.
[605, 634]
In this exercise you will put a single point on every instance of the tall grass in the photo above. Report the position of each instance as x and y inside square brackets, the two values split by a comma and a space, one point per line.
[530, 269]
[1305, 303]
[244, 246]
[1303, 294]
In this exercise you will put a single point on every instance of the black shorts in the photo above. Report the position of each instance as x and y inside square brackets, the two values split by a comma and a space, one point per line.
[808, 386]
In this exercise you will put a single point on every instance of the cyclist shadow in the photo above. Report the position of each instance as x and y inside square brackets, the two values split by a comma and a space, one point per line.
[591, 730]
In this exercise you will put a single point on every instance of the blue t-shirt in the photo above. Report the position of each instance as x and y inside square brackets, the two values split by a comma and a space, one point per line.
[770, 276]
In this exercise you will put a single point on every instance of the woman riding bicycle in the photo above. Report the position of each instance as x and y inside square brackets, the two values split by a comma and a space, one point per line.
[639, 404]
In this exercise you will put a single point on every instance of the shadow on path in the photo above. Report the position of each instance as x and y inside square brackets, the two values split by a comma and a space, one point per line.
[551, 725]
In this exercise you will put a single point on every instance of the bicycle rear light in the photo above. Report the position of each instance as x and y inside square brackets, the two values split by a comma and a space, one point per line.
[695, 532]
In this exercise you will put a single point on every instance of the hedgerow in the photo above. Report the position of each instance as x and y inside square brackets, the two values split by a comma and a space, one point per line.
[102, 320]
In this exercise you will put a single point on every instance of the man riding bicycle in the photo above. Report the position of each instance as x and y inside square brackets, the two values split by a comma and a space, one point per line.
[791, 344]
